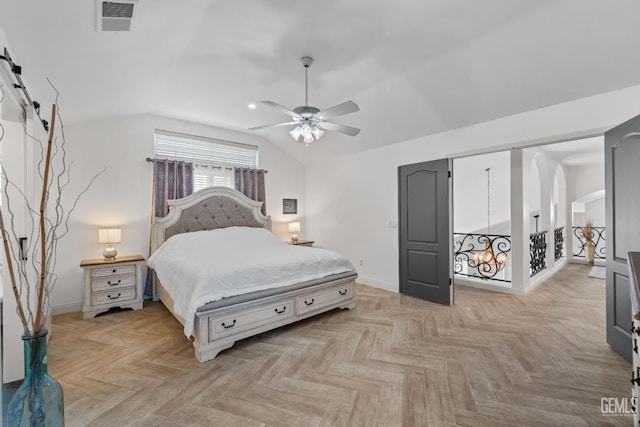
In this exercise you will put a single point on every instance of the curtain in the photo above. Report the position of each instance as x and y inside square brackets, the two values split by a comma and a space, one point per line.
[250, 182]
[172, 179]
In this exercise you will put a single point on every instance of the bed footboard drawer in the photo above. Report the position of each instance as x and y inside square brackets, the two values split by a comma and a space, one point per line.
[233, 323]
[324, 297]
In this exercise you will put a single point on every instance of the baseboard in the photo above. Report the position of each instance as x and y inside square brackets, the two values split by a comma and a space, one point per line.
[66, 308]
[387, 286]
[582, 260]
[545, 276]
[459, 281]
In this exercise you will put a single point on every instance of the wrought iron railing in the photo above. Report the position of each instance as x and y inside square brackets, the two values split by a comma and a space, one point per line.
[485, 256]
[598, 237]
[558, 242]
[537, 252]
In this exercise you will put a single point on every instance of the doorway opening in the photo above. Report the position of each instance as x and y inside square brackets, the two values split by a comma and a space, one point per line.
[518, 215]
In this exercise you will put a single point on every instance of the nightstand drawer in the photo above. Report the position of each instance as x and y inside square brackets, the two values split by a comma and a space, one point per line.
[113, 270]
[113, 296]
[113, 282]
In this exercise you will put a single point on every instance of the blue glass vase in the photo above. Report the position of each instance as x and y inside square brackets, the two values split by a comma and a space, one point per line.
[39, 400]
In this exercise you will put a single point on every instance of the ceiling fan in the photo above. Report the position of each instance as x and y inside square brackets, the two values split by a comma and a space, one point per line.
[312, 122]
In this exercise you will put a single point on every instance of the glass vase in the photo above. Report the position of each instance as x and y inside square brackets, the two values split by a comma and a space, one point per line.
[39, 400]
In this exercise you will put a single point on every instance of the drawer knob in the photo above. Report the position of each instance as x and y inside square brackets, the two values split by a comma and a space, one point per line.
[116, 297]
[281, 311]
[231, 325]
[114, 270]
[343, 293]
[309, 302]
[114, 284]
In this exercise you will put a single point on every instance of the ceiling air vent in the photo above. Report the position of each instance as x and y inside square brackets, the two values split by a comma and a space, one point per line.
[115, 16]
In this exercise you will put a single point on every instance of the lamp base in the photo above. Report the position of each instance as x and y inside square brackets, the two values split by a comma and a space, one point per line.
[294, 237]
[109, 253]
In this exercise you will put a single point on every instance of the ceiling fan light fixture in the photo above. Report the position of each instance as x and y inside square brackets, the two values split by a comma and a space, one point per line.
[306, 133]
[310, 121]
[317, 132]
[296, 132]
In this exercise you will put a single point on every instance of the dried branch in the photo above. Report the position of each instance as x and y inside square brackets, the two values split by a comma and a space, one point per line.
[43, 234]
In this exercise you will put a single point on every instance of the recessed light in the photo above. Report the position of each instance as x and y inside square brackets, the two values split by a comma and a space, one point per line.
[252, 106]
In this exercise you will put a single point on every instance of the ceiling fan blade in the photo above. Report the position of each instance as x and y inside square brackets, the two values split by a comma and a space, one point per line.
[273, 126]
[347, 130]
[281, 108]
[346, 107]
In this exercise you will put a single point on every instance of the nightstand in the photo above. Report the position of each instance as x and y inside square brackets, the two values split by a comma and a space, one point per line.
[113, 283]
[301, 243]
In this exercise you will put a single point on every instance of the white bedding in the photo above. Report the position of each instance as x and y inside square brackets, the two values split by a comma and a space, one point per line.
[205, 266]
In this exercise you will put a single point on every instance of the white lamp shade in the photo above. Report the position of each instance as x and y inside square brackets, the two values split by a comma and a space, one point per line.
[109, 235]
[294, 227]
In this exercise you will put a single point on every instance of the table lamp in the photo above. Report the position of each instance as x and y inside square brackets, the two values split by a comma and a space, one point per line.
[294, 227]
[109, 236]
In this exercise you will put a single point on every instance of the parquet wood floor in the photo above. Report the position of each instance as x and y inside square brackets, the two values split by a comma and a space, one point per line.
[490, 360]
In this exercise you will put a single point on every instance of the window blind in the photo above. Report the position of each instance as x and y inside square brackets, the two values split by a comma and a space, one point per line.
[197, 148]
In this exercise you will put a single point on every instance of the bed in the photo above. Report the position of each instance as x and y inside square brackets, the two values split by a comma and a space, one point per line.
[216, 317]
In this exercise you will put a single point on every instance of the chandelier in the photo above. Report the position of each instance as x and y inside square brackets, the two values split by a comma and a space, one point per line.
[487, 260]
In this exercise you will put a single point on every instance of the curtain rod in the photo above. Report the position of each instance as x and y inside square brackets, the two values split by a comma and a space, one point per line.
[17, 72]
[150, 160]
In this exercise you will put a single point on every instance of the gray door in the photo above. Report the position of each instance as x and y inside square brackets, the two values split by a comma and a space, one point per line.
[424, 221]
[622, 200]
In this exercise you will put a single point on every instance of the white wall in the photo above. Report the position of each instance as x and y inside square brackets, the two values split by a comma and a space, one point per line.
[587, 179]
[594, 211]
[470, 193]
[533, 185]
[122, 195]
[351, 200]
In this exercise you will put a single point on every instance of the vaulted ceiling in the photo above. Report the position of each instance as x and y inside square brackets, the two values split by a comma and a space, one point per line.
[414, 67]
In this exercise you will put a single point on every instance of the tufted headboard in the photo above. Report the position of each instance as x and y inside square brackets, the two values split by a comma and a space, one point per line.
[208, 209]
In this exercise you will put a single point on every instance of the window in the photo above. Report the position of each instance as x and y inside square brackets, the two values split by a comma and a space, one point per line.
[213, 160]
[206, 175]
